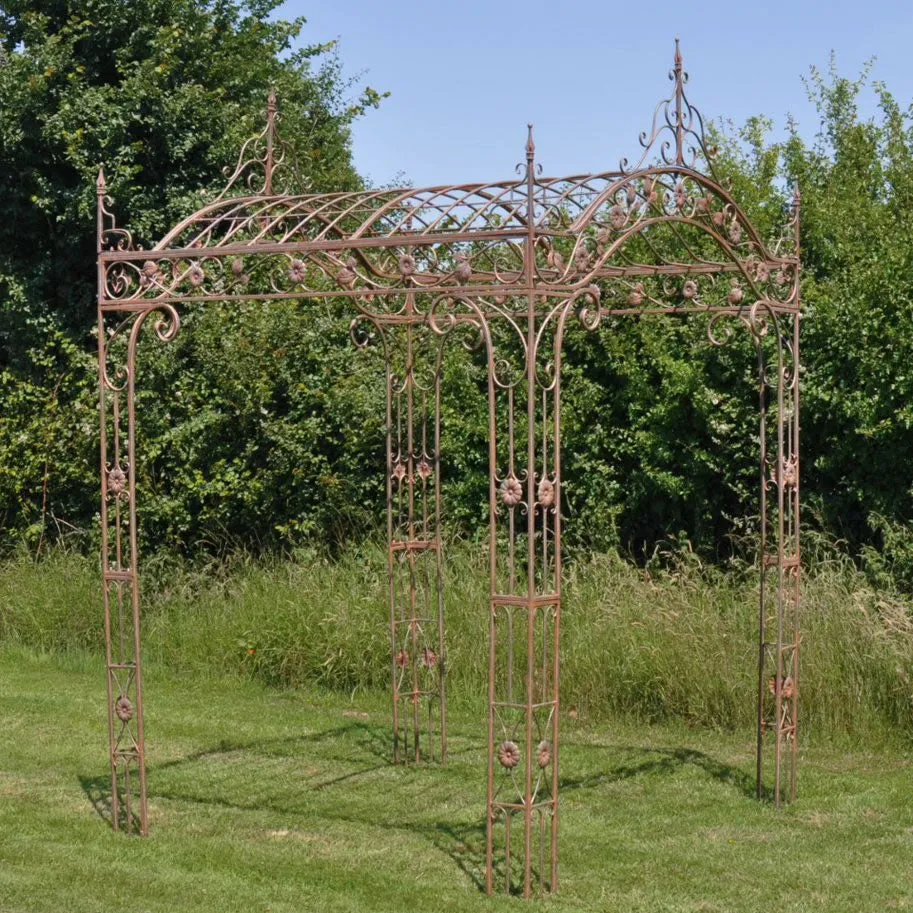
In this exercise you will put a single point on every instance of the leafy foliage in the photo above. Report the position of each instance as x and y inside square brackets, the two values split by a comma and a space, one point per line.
[261, 427]
[857, 182]
[162, 93]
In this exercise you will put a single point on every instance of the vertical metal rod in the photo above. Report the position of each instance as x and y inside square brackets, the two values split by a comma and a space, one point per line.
[556, 624]
[391, 557]
[134, 576]
[103, 478]
[512, 548]
[797, 570]
[511, 519]
[508, 818]
[115, 802]
[545, 579]
[531, 358]
[541, 849]
[439, 558]
[128, 790]
[528, 786]
[678, 71]
[410, 534]
[270, 141]
[411, 531]
[781, 581]
[762, 608]
[413, 628]
[492, 609]
[796, 518]
[426, 532]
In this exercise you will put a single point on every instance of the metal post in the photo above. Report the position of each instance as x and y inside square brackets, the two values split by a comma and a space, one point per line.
[416, 586]
[119, 553]
[778, 683]
[524, 428]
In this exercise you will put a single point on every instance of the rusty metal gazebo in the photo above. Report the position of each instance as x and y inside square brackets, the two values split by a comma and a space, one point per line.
[511, 267]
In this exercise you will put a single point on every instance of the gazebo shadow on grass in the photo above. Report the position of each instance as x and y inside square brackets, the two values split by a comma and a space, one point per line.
[373, 741]
[98, 792]
[666, 761]
[463, 842]
[369, 746]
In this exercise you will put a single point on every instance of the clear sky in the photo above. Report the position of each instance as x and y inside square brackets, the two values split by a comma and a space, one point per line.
[467, 76]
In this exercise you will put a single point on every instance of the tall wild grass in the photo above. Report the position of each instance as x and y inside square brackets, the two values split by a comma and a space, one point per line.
[675, 642]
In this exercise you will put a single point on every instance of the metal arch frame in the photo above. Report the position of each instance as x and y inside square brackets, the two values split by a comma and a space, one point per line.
[512, 266]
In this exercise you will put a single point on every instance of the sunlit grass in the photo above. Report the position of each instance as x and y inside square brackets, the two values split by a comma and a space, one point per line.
[286, 801]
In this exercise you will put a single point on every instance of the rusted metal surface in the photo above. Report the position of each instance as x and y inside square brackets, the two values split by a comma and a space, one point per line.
[510, 267]
[129, 808]
[415, 550]
[778, 679]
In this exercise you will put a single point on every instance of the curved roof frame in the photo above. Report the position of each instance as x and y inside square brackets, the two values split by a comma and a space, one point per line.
[660, 235]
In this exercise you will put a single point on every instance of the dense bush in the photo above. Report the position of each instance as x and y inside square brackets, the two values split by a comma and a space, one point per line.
[857, 185]
[162, 93]
[261, 426]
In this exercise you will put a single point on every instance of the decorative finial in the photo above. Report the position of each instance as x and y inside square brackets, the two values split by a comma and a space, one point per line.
[100, 182]
[679, 78]
[528, 168]
[266, 164]
[270, 141]
[794, 215]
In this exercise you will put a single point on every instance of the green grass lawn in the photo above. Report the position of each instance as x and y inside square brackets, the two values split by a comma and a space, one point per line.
[267, 800]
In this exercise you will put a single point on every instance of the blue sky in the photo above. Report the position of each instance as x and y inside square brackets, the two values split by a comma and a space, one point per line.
[467, 76]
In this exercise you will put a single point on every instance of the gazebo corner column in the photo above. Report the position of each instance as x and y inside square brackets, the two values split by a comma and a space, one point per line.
[414, 541]
[780, 591]
[123, 649]
[524, 624]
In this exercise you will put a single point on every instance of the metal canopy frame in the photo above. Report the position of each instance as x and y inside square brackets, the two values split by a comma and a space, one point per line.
[510, 267]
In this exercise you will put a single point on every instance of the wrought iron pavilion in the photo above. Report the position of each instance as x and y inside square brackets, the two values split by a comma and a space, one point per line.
[512, 267]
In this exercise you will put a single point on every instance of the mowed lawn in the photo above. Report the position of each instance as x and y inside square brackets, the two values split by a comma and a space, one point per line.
[286, 801]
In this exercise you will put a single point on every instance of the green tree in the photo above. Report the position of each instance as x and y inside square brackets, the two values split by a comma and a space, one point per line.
[162, 93]
[857, 187]
[260, 426]
[856, 182]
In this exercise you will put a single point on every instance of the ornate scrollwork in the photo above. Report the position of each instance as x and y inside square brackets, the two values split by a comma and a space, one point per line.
[677, 133]
[364, 331]
[110, 236]
[266, 164]
[720, 330]
[590, 314]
